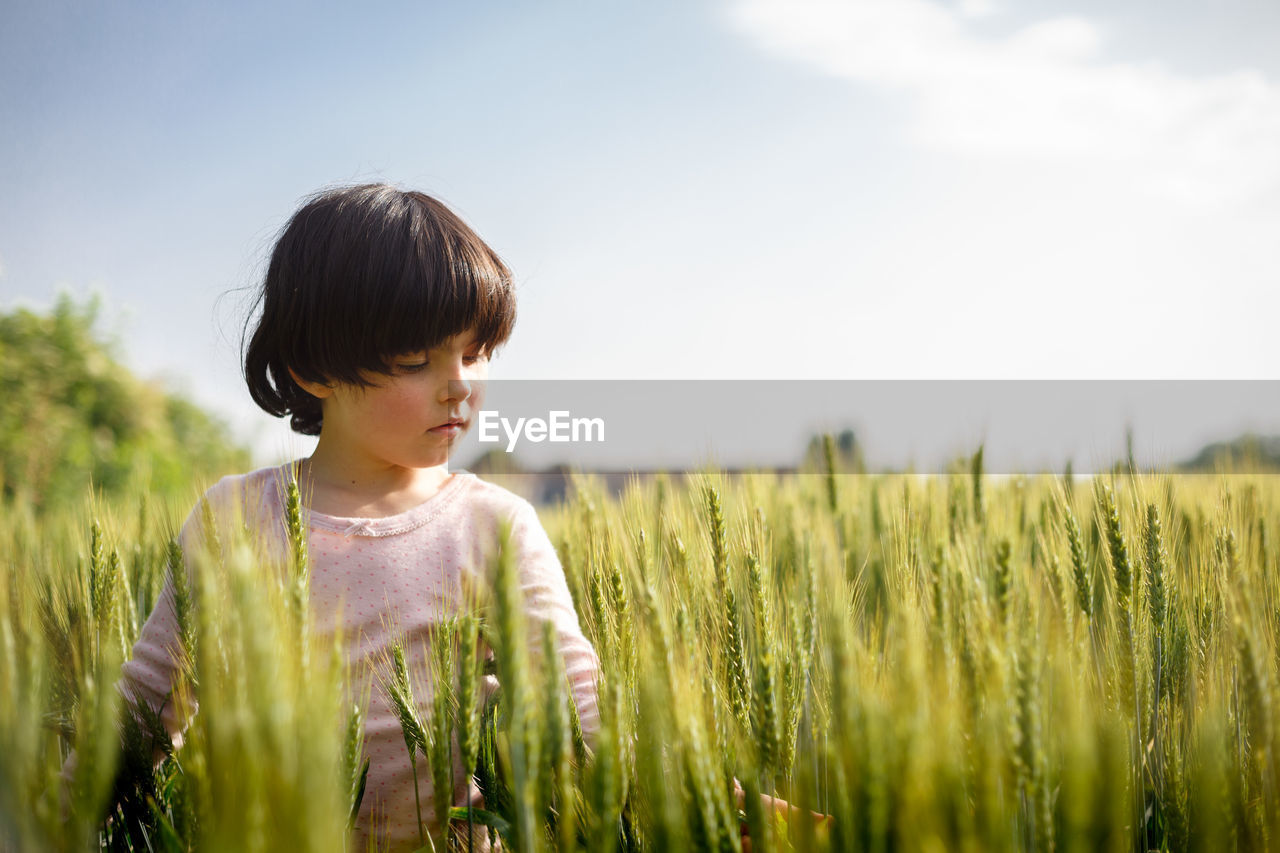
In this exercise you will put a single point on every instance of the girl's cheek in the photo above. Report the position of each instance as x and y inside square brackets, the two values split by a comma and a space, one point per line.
[407, 402]
[393, 409]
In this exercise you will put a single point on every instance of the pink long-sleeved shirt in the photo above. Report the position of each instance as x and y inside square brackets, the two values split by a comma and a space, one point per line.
[406, 570]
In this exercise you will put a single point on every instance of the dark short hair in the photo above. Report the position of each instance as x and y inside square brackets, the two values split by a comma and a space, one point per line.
[360, 275]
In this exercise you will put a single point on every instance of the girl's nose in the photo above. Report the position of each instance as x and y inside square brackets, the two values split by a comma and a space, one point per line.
[464, 380]
[457, 389]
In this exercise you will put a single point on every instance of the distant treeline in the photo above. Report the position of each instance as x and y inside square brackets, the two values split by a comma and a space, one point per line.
[1248, 452]
[71, 416]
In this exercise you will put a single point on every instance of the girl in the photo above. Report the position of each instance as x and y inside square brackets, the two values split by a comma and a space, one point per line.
[379, 312]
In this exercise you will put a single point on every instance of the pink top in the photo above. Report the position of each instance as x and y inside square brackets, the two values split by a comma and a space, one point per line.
[407, 569]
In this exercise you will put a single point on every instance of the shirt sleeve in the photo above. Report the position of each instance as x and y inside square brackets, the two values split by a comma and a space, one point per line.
[546, 596]
[155, 661]
[154, 664]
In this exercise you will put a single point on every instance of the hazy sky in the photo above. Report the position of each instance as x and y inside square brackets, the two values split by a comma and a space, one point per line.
[761, 189]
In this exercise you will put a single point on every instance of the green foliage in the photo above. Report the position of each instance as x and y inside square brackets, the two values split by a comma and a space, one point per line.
[70, 415]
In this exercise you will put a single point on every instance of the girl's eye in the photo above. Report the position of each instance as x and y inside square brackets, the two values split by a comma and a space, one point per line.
[414, 367]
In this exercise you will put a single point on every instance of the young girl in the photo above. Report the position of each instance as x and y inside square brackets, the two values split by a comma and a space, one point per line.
[379, 313]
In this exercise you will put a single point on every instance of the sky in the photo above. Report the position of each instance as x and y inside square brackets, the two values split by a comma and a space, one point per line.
[746, 189]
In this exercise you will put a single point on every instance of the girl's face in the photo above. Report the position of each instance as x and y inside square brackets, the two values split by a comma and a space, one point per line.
[404, 421]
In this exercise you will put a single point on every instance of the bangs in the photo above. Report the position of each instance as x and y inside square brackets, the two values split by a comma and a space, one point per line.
[447, 285]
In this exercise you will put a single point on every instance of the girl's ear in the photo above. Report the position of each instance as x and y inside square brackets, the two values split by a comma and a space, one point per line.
[316, 389]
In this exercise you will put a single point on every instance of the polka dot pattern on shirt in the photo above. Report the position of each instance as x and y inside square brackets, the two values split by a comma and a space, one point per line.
[373, 576]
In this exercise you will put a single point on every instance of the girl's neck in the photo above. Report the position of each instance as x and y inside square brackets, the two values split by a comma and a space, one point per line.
[337, 487]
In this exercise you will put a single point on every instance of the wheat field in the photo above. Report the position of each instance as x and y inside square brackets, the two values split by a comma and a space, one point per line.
[948, 662]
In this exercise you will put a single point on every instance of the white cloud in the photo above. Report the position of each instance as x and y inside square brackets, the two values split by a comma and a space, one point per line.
[976, 8]
[1044, 93]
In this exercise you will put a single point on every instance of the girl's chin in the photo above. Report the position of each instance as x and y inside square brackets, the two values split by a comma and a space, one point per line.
[434, 460]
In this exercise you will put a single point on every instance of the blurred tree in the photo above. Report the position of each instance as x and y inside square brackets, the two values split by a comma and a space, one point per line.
[70, 415]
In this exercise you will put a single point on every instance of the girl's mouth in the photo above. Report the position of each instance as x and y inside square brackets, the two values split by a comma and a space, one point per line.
[453, 427]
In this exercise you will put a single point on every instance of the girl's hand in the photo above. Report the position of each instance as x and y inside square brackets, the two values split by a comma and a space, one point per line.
[779, 806]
